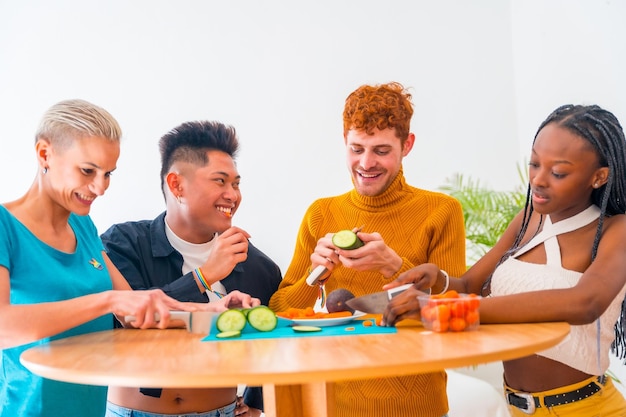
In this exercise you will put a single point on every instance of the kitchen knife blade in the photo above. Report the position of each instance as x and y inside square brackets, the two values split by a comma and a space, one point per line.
[376, 303]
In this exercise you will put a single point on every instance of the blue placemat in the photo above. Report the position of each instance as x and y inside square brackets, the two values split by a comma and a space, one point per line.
[283, 329]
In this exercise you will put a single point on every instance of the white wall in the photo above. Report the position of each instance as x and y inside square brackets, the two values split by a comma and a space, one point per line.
[567, 52]
[484, 75]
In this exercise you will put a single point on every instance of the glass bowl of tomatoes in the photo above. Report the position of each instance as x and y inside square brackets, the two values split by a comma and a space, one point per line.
[450, 311]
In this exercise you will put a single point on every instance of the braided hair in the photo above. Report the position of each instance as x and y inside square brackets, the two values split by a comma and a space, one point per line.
[601, 129]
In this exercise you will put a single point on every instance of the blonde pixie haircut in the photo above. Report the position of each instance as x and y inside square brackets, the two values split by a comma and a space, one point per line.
[75, 119]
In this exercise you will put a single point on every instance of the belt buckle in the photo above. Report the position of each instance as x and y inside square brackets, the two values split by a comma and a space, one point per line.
[530, 402]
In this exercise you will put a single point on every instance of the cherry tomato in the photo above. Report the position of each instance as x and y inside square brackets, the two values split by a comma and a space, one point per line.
[457, 324]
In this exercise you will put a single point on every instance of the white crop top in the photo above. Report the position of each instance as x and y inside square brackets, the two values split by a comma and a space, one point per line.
[580, 348]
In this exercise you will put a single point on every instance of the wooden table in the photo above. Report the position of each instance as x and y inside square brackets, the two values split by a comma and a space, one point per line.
[297, 374]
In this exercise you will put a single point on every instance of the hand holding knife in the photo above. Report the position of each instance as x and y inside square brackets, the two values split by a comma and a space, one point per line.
[319, 271]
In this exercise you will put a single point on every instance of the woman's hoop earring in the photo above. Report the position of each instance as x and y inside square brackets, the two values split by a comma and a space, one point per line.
[44, 170]
[178, 199]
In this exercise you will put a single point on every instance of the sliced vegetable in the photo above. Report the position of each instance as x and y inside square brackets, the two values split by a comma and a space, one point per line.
[232, 333]
[233, 320]
[308, 313]
[262, 318]
[346, 239]
[307, 329]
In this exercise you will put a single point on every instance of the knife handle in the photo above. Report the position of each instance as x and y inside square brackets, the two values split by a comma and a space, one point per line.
[316, 274]
[397, 290]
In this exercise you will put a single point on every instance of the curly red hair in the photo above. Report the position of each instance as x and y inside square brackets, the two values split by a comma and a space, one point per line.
[383, 106]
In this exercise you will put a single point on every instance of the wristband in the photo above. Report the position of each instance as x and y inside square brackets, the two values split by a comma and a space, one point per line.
[204, 282]
[445, 287]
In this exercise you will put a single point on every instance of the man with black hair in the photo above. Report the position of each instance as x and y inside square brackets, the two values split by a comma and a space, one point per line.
[193, 253]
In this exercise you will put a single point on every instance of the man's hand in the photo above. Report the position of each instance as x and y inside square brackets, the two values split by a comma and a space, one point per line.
[229, 249]
[234, 299]
[324, 253]
[375, 255]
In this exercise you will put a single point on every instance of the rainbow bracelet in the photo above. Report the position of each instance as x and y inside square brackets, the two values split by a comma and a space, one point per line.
[204, 282]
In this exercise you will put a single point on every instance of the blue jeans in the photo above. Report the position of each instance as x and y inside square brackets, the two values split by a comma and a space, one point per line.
[117, 411]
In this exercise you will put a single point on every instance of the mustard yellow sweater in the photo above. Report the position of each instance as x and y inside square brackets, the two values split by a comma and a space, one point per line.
[421, 226]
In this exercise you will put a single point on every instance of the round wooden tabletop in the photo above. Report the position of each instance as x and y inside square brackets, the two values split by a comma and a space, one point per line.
[177, 358]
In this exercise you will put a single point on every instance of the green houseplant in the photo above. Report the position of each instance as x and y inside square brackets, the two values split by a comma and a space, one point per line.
[487, 212]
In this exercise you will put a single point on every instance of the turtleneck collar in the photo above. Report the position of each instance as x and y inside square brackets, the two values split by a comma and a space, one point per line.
[389, 197]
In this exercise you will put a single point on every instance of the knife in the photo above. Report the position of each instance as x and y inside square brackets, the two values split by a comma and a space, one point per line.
[194, 322]
[376, 303]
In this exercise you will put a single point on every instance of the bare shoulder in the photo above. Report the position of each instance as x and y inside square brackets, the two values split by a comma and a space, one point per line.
[615, 222]
[614, 230]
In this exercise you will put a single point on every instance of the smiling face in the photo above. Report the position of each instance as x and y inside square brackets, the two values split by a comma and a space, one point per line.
[375, 160]
[209, 194]
[79, 172]
[563, 171]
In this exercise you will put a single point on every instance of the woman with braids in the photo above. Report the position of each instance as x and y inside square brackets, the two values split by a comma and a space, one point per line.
[563, 258]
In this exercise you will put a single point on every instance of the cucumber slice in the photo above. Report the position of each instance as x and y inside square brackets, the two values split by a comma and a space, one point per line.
[231, 321]
[262, 318]
[346, 239]
[306, 329]
[232, 333]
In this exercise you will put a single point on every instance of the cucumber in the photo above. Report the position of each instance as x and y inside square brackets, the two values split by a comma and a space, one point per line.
[306, 329]
[262, 318]
[347, 239]
[232, 333]
[233, 320]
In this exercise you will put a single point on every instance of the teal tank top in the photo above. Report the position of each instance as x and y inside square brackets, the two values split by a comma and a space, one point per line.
[39, 273]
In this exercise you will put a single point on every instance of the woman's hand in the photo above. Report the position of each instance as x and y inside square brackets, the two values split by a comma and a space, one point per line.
[149, 308]
[403, 306]
[241, 409]
[406, 305]
[424, 276]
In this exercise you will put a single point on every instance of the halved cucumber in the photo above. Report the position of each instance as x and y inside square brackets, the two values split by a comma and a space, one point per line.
[346, 239]
[231, 321]
[262, 318]
[232, 333]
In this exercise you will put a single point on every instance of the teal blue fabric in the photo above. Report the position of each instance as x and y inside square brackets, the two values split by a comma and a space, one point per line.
[40, 273]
